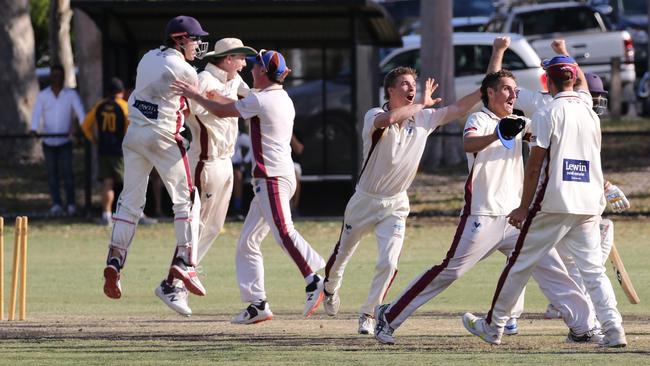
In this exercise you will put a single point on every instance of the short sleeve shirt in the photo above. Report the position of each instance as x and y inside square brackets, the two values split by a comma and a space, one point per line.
[572, 178]
[496, 174]
[152, 102]
[271, 113]
[392, 154]
[212, 136]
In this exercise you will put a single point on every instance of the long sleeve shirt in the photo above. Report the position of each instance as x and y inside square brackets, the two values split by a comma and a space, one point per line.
[56, 114]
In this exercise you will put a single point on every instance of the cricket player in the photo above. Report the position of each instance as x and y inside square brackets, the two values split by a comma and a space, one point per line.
[213, 145]
[394, 137]
[562, 200]
[153, 140]
[493, 142]
[529, 102]
[271, 114]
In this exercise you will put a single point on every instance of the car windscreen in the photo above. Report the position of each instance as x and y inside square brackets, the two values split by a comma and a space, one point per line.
[556, 20]
[472, 8]
[469, 60]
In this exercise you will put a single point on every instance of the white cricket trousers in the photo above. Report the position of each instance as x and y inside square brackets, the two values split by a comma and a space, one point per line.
[606, 242]
[363, 214]
[540, 233]
[476, 238]
[269, 210]
[214, 179]
[146, 148]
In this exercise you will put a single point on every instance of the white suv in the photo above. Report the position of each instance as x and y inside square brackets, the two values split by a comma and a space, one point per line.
[471, 57]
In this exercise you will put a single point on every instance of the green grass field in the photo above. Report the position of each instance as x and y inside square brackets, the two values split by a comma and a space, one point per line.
[70, 321]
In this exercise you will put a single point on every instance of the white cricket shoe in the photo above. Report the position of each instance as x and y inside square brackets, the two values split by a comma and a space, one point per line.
[254, 313]
[332, 303]
[175, 297]
[552, 312]
[614, 338]
[478, 327]
[188, 275]
[315, 296]
[366, 324]
[383, 330]
[511, 327]
[593, 336]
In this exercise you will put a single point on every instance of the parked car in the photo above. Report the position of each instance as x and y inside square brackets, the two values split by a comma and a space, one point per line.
[472, 52]
[589, 36]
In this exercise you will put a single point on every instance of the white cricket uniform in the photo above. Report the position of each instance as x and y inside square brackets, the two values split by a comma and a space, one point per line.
[380, 203]
[271, 114]
[567, 206]
[213, 145]
[493, 189]
[153, 140]
[530, 102]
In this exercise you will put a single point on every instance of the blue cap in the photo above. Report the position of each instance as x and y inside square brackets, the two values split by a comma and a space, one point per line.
[273, 62]
[184, 25]
[558, 60]
[508, 144]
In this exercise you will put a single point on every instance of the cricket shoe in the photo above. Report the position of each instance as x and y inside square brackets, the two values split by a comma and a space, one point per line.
[175, 297]
[511, 327]
[315, 296]
[552, 312]
[478, 327]
[591, 336]
[383, 331]
[332, 303]
[366, 324]
[254, 313]
[188, 275]
[112, 286]
[614, 338]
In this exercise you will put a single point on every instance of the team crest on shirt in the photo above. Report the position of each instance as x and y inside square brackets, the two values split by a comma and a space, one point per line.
[348, 227]
[410, 127]
[476, 227]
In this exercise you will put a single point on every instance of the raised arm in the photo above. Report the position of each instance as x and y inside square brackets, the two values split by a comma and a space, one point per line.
[224, 108]
[499, 47]
[399, 114]
[462, 106]
[559, 47]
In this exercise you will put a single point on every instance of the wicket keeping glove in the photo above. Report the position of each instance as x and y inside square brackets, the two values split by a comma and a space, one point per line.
[616, 198]
[508, 128]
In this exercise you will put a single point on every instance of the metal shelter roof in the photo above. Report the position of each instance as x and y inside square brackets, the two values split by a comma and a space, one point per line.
[288, 21]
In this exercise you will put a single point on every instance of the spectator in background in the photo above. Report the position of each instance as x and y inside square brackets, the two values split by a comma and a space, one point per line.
[241, 161]
[105, 125]
[56, 107]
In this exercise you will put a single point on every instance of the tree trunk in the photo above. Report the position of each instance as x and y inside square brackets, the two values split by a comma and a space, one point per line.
[18, 78]
[88, 48]
[60, 45]
[437, 60]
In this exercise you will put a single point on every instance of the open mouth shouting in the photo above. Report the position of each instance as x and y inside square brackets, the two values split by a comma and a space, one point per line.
[410, 97]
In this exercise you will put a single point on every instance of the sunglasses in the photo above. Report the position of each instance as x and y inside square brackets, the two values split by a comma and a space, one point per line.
[260, 59]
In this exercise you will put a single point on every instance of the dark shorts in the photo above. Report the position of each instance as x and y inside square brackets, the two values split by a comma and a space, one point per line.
[111, 167]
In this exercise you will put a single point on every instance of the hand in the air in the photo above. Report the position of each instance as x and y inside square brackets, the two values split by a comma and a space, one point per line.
[430, 87]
